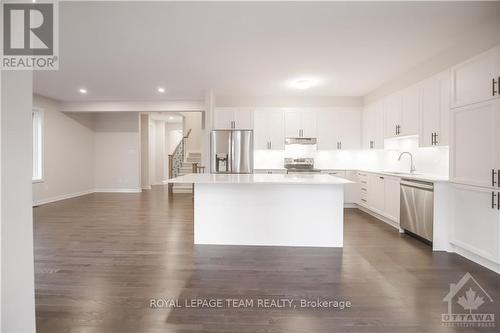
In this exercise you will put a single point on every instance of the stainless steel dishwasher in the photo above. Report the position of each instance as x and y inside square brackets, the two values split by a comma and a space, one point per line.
[417, 208]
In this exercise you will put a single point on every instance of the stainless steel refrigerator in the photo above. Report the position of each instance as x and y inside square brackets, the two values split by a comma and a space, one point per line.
[231, 151]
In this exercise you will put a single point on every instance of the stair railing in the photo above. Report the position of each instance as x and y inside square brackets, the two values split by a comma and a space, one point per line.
[176, 158]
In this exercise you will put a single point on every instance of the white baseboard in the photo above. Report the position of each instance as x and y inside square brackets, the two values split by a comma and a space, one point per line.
[350, 205]
[380, 217]
[146, 187]
[61, 197]
[476, 258]
[78, 194]
[117, 190]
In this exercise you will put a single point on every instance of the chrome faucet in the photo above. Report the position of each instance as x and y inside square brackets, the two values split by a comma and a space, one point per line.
[412, 166]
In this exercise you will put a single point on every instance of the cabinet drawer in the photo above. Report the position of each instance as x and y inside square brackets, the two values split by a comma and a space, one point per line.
[363, 200]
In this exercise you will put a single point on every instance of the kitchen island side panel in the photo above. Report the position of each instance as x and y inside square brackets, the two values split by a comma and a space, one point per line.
[269, 214]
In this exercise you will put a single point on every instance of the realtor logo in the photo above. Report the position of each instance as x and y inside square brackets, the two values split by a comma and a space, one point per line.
[464, 300]
[29, 35]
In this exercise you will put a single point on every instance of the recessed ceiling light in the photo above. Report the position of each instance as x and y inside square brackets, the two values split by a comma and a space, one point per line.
[303, 83]
[161, 90]
[170, 118]
[82, 90]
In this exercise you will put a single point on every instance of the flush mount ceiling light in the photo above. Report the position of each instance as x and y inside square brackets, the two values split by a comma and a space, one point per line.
[303, 83]
[82, 91]
[161, 90]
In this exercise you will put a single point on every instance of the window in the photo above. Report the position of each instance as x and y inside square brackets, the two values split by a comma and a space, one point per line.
[37, 116]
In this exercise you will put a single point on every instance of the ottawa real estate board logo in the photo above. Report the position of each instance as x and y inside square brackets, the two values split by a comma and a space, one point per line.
[469, 305]
[30, 38]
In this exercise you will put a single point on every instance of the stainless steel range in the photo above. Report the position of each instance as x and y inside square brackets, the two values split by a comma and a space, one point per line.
[300, 165]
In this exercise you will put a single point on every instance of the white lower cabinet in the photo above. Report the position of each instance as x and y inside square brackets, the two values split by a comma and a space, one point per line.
[380, 193]
[376, 193]
[392, 194]
[476, 218]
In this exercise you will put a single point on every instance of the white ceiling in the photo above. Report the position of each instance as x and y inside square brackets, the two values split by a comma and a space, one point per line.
[124, 50]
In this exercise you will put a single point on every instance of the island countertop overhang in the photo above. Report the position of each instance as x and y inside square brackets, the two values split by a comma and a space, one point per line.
[290, 179]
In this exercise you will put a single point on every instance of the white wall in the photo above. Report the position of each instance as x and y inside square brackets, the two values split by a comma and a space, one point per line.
[68, 153]
[467, 45]
[173, 135]
[17, 270]
[192, 120]
[161, 158]
[117, 152]
[164, 137]
[145, 176]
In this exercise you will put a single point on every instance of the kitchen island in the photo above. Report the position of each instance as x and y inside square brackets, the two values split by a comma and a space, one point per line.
[267, 209]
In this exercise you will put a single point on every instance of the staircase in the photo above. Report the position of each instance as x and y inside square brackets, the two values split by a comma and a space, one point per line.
[186, 168]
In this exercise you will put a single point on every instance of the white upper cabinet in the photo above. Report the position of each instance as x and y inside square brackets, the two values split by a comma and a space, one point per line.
[391, 107]
[300, 124]
[269, 129]
[233, 118]
[410, 111]
[260, 129]
[477, 79]
[435, 111]
[339, 129]
[350, 128]
[401, 111]
[475, 144]
[328, 130]
[372, 123]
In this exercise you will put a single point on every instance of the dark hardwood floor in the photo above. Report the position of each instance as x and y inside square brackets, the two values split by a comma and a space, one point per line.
[100, 258]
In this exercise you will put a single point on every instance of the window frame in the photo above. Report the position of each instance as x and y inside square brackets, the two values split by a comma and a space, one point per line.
[41, 116]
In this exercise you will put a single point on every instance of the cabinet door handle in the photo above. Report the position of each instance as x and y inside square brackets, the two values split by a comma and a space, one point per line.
[498, 201]
[270, 145]
[435, 138]
[493, 204]
[493, 174]
[493, 84]
[371, 144]
[381, 177]
[340, 145]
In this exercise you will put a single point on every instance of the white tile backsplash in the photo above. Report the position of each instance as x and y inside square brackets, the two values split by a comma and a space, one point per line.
[431, 160]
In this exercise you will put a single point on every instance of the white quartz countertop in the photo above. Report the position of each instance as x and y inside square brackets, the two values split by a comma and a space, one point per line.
[292, 179]
[416, 175]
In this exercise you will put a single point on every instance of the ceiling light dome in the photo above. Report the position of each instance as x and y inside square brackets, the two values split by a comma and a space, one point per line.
[303, 83]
